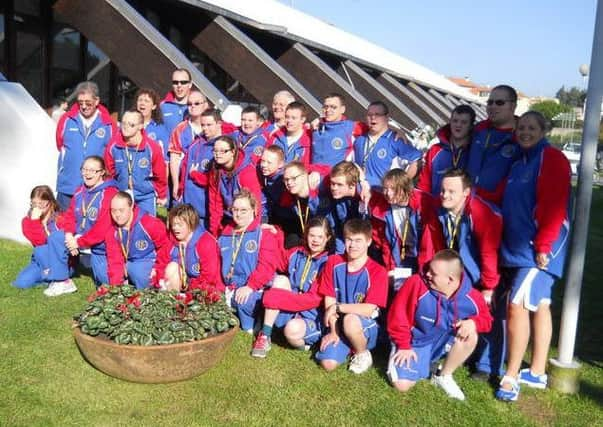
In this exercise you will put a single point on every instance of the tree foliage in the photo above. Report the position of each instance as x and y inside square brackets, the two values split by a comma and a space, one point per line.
[550, 109]
[574, 97]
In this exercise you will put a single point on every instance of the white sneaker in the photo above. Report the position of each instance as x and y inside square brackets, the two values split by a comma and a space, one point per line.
[447, 383]
[361, 362]
[60, 288]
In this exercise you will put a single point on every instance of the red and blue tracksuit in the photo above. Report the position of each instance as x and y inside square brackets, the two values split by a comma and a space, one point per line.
[270, 127]
[301, 301]
[491, 154]
[173, 112]
[252, 144]
[75, 143]
[249, 258]
[193, 183]
[182, 137]
[410, 244]
[139, 253]
[535, 209]
[367, 285]
[139, 169]
[49, 259]
[423, 319]
[89, 219]
[273, 188]
[378, 157]
[223, 186]
[337, 212]
[199, 261]
[333, 142]
[439, 159]
[299, 150]
[158, 132]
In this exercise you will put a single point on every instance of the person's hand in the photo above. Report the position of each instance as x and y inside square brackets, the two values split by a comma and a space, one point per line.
[404, 357]
[162, 202]
[74, 252]
[487, 294]
[269, 227]
[330, 312]
[36, 213]
[464, 329]
[365, 192]
[242, 294]
[71, 242]
[315, 123]
[175, 193]
[329, 339]
[313, 180]
[542, 260]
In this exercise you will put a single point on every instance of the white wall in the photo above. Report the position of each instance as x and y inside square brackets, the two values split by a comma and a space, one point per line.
[28, 155]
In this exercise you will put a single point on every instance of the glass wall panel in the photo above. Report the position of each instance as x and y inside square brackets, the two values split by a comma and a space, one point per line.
[65, 71]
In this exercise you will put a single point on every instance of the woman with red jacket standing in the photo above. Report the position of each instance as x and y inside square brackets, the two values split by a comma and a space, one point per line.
[44, 228]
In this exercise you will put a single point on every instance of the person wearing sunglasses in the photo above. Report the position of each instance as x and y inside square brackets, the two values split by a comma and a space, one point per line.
[494, 148]
[136, 163]
[450, 152]
[44, 227]
[231, 172]
[84, 130]
[251, 137]
[173, 107]
[88, 218]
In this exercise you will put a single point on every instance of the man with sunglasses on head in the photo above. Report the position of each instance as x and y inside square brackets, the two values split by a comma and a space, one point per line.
[83, 131]
[494, 149]
[173, 107]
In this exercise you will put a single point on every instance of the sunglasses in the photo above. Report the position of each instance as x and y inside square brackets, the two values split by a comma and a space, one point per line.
[190, 104]
[180, 82]
[498, 102]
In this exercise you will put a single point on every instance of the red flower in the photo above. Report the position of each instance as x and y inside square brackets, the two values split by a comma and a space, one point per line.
[99, 293]
[134, 300]
[122, 307]
[185, 298]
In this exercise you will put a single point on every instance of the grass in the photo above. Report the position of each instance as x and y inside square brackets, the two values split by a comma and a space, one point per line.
[44, 381]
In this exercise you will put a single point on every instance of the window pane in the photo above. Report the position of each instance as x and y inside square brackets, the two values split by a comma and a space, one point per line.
[29, 63]
[65, 72]
[98, 70]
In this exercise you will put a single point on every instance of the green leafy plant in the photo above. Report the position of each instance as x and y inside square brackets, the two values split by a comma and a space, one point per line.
[152, 317]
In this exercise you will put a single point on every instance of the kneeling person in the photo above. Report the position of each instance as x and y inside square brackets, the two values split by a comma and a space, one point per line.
[354, 287]
[435, 314]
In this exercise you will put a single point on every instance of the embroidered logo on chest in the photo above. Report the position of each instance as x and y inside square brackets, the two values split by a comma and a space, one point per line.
[143, 163]
[141, 245]
[100, 132]
[251, 246]
[382, 153]
[337, 143]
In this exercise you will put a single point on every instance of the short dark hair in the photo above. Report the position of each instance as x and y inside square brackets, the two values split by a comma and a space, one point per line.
[276, 150]
[298, 106]
[511, 93]
[186, 213]
[536, 115]
[252, 109]
[381, 105]
[336, 95]
[156, 114]
[358, 226]
[212, 112]
[459, 173]
[184, 70]
[453, 257]
[464, 109]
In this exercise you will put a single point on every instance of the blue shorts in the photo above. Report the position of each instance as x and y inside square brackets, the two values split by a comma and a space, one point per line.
[531, 287]
[339, 352]
[313, 325]
[419, 369]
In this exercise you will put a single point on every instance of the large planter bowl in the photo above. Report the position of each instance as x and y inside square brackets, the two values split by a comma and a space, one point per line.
[155, 363]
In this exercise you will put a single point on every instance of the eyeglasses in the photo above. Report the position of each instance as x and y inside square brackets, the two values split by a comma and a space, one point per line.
[190, 104]
[39, 205]
[221, 151]
[240, 210]
[85, 103]
[84, 170]
[291, 178]
[180, 82]
[498, 102]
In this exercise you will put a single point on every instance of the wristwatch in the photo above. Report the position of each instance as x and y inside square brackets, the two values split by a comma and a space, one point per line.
[337, 308]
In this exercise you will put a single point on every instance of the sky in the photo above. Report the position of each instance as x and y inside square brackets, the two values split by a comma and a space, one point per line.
[534, 45]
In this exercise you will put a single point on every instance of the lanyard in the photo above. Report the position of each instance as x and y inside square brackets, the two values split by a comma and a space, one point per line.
[303, 218]
[402, 236]
[453, 228]
[368, 149]
[235, 253]
[183, 275]
[125, 248]
[85, 208]
[305, 272]
[130, 159]
[243, 146]
[457, 153]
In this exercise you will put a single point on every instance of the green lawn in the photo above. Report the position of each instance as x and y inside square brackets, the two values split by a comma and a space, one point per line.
[44, 380]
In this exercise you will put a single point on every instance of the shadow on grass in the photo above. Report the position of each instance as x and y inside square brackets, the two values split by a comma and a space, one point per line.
[591, 391]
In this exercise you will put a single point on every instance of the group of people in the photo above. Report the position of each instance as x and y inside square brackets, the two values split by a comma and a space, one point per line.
[317, 229]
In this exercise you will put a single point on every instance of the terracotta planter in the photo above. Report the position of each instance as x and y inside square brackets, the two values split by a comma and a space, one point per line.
[156, 363]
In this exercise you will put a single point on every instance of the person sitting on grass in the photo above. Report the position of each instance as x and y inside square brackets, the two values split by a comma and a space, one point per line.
[44, 228]
[292, 301]
[354, 288]
[435, 314]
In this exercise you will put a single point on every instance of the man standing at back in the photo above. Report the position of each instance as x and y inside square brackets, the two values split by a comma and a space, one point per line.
[173, 106]
[82, 131]
[494, 149]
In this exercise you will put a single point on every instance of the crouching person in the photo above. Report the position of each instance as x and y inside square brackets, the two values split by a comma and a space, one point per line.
[354, 288]
[434, 315]
[138, 247]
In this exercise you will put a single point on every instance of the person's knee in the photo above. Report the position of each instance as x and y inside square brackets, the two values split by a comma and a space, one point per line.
[351, 324]
[295, 329]
[329, 365]
[403, 385]
[281, 282]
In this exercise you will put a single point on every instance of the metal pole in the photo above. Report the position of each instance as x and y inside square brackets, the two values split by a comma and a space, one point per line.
[592, 120]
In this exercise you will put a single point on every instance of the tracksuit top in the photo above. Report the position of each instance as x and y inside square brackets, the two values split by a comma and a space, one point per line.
[143, 163]
[535, 209]
[252, 144]
[332, 142]
[159, 133]
[194, 184]
[299, 150]
[337, 213]
[250, 257]
[36, 233]
[491, 154]
[173, 112]
[272, 191]
[89, 215]
[76, 143]
[147, 239]
[201, 259]
[376, 159]
[439, 159]
[476, 237]
[421, 316]
[182, 138]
